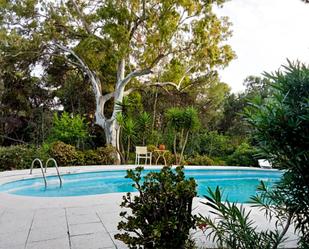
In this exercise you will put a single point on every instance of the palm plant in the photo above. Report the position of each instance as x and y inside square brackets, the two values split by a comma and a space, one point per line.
[129, 132]
[144, 124]
[182, 121]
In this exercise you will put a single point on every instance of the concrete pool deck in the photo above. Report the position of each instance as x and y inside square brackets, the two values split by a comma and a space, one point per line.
[81, 222]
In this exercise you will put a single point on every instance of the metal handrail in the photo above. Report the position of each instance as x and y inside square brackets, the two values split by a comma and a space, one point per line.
[42, 169]
[56, 165]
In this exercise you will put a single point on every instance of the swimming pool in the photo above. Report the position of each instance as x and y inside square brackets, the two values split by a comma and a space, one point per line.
[238, 184]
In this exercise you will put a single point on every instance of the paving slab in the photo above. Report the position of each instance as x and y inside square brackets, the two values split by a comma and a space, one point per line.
[48, 233]
[78, 222]
[82, 219]
[60, 243]
[98, 240]
[109, 220]
[13, 239]
[14, 221]
[86, 228]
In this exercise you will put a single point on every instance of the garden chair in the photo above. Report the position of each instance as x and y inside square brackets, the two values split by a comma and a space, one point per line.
[263, 163]
[142, 153]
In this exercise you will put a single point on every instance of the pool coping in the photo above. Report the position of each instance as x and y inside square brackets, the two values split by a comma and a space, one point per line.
[47, 208]
[34, 202]
[13, 175]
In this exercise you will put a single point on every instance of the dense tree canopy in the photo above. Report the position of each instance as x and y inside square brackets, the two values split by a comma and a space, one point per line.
[167, 44]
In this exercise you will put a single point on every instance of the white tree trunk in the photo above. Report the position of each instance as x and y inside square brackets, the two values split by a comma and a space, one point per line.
[109, 125]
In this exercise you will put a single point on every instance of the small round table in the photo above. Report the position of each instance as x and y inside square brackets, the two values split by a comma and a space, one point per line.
[161, 153]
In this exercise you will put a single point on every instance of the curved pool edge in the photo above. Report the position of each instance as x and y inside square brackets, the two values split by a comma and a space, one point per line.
[15, 175]
[30, 202]
[105, 206]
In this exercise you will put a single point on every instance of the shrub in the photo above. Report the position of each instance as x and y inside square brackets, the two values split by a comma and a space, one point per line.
[200, 160]
[70, 130]
[214, 144]
[64, 154]
[281, 125]
[106, 155]
[232, 227]
[161, 213]
[16, 157]
[244, 155]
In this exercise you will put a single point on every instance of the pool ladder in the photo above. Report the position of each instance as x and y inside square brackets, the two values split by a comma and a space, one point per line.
[42, 169]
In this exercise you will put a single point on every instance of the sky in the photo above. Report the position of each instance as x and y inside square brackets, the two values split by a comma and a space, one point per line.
[265, 34]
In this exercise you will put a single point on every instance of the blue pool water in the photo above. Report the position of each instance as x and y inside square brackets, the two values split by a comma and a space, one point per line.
[238, 185]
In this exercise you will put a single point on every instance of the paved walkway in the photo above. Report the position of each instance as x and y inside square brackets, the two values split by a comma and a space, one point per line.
[88, 222]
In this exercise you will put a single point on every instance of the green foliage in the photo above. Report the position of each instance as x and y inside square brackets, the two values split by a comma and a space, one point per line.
[244, 155]
[106, 154]
[99, 156]
[200, 160]
[161, 214]
[233, 227]
[155, 137]
[214, 144]
[75, 96]
[67, 155]
[282, 130]
[64, 154]
[144, 126]
[69, 129]
[182, 119]
[16, 157]
[232, 121]
[182, 122]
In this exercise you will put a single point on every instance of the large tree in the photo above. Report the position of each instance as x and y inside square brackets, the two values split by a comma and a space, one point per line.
[120, 44]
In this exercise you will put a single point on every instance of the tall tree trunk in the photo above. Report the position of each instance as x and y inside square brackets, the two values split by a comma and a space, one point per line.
[183, 146]
[175, 147]
[154, 111]
[108, 124]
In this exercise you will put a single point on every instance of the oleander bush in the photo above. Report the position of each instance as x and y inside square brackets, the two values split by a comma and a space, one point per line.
[231, 225]
[281, 124]
[160, 216]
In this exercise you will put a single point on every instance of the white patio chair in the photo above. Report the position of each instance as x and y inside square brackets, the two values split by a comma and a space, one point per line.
[263, 163]
[142, 153]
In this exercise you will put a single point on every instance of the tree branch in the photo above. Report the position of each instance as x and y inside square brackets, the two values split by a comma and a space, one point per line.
[133, 74]
[92, 76]
[13, 139]
[167, 83]
[82, 17]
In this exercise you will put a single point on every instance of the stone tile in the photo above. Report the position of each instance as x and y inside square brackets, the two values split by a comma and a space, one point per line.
[62, 243]
[22, 246]
[110, 221]
[12, 222]
[112, 208]
[2, 210]
[78, 211]
[13, 240]
[87, 228]
[50, 212]
[48, 233]
[92, 241]
[82, 219]
[42, 222]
